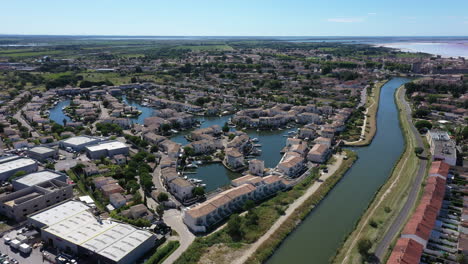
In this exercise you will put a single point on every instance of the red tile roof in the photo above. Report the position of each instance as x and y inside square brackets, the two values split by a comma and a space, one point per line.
[406, 251]
[439, 167]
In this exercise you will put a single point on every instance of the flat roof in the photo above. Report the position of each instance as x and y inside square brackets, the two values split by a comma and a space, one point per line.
[16, 164]
[113, 240]
[38, 177]
[41, 150]
[110, 145]
[80, 140]
[59, 213]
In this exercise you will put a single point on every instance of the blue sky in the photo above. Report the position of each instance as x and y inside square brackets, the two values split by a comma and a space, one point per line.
[236, 17]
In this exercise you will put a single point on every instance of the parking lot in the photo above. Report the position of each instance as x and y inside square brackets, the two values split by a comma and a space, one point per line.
[13, 254]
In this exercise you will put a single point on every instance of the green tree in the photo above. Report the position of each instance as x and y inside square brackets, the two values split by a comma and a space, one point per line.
[162, 197]
[198, 191]
[233, 227]
[423, 124]
[364, 245]
[418, 150]
[225, 127]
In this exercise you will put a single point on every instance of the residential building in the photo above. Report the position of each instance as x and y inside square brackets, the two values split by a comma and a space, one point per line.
[319, 153]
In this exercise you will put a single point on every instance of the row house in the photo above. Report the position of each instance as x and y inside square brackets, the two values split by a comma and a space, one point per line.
[319, 153]
[291, 164]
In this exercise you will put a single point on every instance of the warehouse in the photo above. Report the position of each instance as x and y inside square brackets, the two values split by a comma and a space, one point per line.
[107, 149]
[78, 143]
[19, 204]
[36, 178]
[42, 153]
[11, 164]
[72, 227]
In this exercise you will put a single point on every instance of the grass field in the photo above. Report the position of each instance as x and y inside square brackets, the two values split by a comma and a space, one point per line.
[206, 47]
[388, 201]
[372, 106]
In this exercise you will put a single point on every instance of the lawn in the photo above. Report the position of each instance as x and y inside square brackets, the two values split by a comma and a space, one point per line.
[386, 204]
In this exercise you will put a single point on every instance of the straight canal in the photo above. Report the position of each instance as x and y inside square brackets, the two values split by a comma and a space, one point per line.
[319, 236]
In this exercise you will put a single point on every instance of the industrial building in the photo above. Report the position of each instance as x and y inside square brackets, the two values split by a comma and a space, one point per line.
[19, 204]
[11, 164]
[442, 147]
[36, 178]
[78, 143]
[107, 149]
[42, 153]
[71, 226]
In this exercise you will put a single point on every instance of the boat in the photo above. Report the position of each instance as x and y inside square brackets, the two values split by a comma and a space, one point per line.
[258, 145]
[174, 131]
[195, 180]
[203, 185]
[198, 162]
[192, 166]
[254, 139]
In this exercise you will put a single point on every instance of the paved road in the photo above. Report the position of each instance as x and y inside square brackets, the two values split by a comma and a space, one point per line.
[413, 195]
[23, 122]
[173, 218]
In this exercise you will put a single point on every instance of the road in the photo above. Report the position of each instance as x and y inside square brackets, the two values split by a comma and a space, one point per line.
[173, 218]
[24, 123]
[400, 220]
[309, 192]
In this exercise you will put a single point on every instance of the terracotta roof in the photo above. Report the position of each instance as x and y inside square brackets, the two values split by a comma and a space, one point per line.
[244, 179]
[319, 149]
[239, 191]
[201, 210]
[439, 167]
[406, 251]
[271, 179]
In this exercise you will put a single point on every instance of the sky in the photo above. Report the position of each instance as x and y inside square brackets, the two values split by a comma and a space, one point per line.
[235, 17]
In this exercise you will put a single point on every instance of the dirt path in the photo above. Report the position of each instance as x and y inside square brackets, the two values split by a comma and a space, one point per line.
[309, 192]
[363, 128]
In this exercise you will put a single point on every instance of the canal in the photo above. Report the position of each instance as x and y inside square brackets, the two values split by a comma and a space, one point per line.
[56, 113]
[319, 236]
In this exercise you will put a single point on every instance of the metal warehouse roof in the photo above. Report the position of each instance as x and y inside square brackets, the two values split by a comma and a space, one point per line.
[80, 140]
[38, 177]
[111, 145]
[15, 164]
[74, 223]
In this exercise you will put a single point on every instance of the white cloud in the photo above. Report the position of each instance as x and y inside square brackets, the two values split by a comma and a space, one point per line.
[372, 14]
[346, 20]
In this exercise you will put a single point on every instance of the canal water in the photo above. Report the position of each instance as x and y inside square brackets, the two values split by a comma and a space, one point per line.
[57, 114]
[319, 236]
[145, 110]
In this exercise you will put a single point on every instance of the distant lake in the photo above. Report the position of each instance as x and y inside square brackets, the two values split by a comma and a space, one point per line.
[444, 49]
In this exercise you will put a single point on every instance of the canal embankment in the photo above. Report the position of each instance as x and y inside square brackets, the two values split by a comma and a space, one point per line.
[321, 233]
[383, 219]
[369, 127]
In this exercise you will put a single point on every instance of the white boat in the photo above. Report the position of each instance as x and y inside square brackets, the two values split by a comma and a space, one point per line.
[254, 139]
[192, 166]
[199, 162]
[196, 180]
[203, 185]
[174, 131]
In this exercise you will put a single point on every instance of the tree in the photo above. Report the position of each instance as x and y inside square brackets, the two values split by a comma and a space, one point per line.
[160, 210]
[364, 245]
[16, 175]
[423, 124]
[198, 191]
[225, 127]
[251, 218]
[162, 197]
[249, 204]
[418, 150]
[233, 227]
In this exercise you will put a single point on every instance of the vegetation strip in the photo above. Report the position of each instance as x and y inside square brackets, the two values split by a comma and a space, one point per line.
[162, 253]
[387, 202]
[269, 246]
[370, 122]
